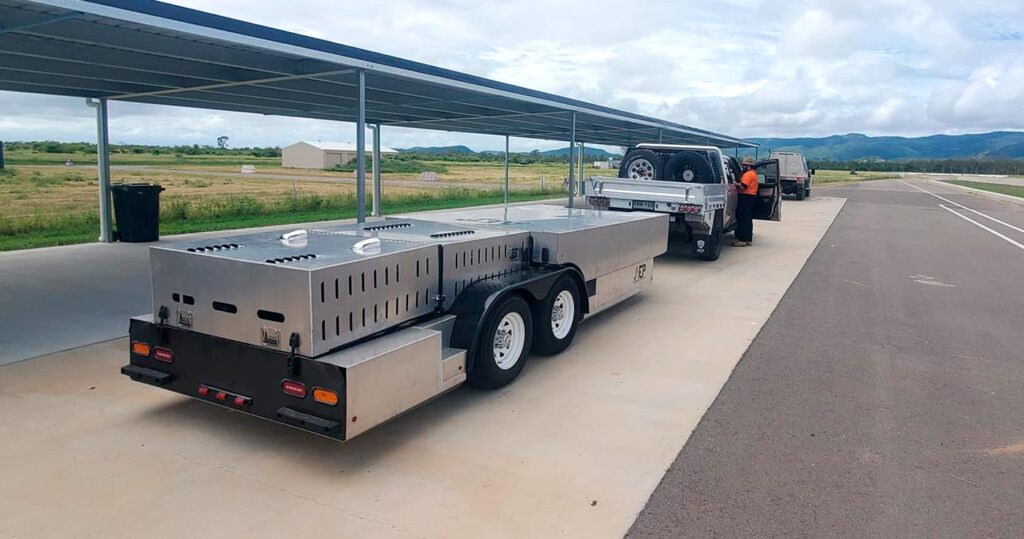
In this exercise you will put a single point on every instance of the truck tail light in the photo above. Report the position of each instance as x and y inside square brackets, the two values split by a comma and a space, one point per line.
[140, 348]
[598, 202]
[293, 388]
[690, 208]
[163, 354]
[325, 396]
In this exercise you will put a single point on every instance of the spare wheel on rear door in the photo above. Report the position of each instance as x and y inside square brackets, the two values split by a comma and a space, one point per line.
[690, 167]
[641, 164]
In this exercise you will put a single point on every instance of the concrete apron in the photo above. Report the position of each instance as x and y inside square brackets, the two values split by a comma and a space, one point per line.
[574, 447]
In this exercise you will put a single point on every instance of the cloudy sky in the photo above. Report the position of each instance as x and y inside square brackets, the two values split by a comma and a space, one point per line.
[742, 67]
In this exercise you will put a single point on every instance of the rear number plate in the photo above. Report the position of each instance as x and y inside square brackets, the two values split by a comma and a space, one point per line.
[641, 205]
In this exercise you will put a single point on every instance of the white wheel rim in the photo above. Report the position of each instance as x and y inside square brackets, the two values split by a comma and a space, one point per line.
[687, 175]
[641, 169]
[563, 313]
[509, 340]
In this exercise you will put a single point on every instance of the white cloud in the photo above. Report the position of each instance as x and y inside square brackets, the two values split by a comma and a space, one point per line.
[745, 67]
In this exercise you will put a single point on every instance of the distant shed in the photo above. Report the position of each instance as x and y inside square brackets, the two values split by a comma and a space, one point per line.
[321, 155]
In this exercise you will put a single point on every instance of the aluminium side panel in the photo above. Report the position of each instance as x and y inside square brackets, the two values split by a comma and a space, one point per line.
[357, 299]
[191, 285]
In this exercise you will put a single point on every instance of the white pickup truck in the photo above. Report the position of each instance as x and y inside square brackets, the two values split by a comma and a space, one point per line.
[794, 174]
[695, 184]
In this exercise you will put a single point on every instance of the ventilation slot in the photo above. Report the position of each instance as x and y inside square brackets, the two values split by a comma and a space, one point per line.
[212, 248]
[188, 300]
[270, 316]
[387, 227]
[288, 259]
[224, 307]
[453, 233]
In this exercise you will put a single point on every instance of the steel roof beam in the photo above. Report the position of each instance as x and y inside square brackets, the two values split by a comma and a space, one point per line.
[28, 25]
[97, 55]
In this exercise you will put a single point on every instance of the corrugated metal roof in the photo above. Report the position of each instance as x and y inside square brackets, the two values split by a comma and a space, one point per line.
[152, 52]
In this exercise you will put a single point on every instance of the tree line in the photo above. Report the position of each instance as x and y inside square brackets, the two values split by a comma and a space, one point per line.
[1011, 167]
[50, 146]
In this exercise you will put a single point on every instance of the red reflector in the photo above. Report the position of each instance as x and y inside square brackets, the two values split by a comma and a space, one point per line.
[295, 389]
[204, 391]
[222, 396]
[163, 354]
[241, 401]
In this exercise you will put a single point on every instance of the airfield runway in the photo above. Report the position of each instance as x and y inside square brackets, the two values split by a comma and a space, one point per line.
[883, 398]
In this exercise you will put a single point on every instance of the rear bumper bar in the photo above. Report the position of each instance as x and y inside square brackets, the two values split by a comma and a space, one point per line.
[241, 377]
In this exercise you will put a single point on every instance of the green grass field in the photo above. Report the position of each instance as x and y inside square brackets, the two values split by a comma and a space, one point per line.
[44, 204]
[823, 177]
[1012, 190]
[183, 216]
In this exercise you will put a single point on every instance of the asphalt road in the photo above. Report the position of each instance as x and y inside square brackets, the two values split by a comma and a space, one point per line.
[885, 395]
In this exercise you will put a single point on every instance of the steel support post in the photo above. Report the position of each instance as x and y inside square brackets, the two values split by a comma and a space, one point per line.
[378, 192]
[361, 151]
[572, 162]
[506, 171]
[103, 168]
[660, 135]
[583, 158]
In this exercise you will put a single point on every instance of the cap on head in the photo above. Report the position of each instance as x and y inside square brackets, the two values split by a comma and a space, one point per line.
[747, 161]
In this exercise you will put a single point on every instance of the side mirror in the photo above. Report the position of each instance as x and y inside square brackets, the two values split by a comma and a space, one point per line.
[813, 171]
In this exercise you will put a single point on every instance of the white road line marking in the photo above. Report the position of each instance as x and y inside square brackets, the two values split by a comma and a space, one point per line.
[964, 217]
[1008, 225]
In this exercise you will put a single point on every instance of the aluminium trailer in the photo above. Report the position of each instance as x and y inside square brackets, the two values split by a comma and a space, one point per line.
[338, 329]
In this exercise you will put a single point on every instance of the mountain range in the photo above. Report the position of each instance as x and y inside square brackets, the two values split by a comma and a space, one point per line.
[851, 147]
[854, 147]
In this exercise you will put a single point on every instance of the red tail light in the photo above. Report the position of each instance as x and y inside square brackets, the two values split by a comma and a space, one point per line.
[293, 388]
[163, 354]
[598, 202]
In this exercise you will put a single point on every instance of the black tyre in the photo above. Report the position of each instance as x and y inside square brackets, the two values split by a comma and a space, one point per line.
[689, 167]
[807, 192]
[503, 345]
[640, 164]
[556, 318]
[799, 192]
[712, 248]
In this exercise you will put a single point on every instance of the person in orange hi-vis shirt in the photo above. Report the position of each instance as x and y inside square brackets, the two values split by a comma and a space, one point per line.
[745, 204]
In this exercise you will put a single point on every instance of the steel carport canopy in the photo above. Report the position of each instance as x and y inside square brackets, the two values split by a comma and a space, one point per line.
[152, 52]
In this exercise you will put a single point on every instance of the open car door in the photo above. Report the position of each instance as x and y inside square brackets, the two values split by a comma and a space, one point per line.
[769, 192]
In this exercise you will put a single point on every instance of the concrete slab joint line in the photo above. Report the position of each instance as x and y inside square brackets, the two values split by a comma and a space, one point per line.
[519, 462]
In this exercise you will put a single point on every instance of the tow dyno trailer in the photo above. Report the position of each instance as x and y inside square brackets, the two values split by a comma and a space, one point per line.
[338, 329]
